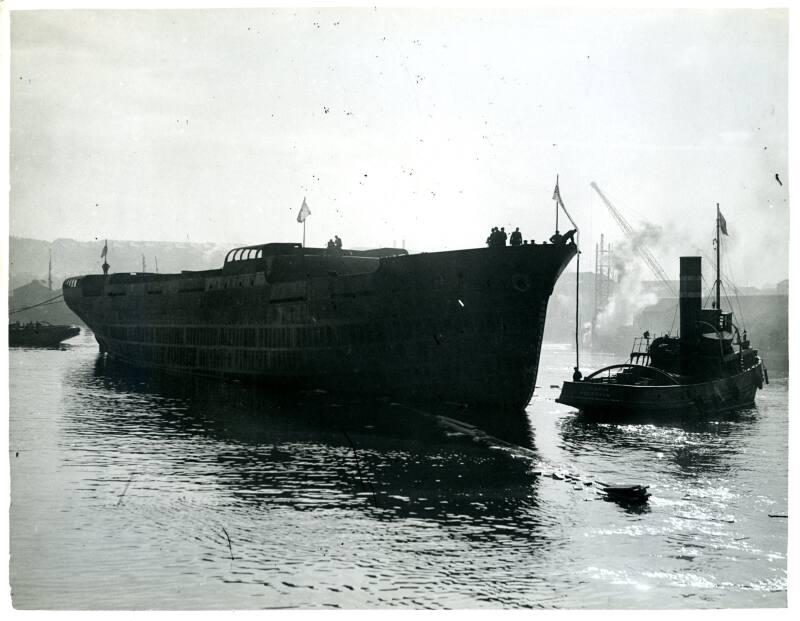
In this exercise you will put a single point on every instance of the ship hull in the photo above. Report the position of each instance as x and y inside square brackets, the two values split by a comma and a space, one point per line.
[718, 395]
[462, 326]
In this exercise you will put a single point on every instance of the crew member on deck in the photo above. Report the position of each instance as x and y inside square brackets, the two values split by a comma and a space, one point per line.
[337, 242]
[502, 237]
[569, 236]
[516, 237]
[556, 238]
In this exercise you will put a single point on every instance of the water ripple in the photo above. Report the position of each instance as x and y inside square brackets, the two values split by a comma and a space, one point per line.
[134, 491]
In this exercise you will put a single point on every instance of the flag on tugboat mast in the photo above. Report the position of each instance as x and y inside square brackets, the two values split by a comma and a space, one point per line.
[105, 251]
[723, 226]
[304, 211]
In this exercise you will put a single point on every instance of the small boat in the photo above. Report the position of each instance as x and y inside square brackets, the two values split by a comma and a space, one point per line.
[625, 494]
[39, 334]
[709, 368]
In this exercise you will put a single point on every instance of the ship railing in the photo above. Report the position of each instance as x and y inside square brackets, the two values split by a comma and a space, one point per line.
[636, 371]
[640, 352]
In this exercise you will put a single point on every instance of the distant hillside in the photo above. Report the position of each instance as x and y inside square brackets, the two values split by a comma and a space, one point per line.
[29, 257]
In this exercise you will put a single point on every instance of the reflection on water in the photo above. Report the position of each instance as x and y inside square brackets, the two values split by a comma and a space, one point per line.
[314, 453]
[133, 490]
[697, 445]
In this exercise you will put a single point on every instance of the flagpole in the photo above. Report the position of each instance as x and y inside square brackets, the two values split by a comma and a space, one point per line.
[560, 203]
[557, 201]
[718, 308]
[104, 255]
[577, 300]
[301, 217]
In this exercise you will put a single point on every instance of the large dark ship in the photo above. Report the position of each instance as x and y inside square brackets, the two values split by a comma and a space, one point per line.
[461, 326]
[709, 368]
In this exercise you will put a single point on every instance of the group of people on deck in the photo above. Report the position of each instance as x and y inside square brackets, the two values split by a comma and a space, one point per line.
[498, 237]
[334, 245]
[568, 237]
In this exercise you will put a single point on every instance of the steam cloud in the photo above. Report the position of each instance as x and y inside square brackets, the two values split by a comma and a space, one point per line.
[628, 297]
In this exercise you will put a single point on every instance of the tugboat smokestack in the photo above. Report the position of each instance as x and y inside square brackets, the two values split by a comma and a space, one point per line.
[691, 301]
[691, 294]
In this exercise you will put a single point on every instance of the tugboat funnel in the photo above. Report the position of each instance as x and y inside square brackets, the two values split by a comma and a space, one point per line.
[691, 302]
[691, 296]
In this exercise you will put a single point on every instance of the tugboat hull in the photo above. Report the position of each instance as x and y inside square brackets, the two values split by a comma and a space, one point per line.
[719, 395]
[40, 336]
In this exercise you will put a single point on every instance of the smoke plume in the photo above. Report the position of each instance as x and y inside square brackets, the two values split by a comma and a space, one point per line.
[629, 296]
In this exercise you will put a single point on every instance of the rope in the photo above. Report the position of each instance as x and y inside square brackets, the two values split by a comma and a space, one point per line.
[736, 296]
[725, 280]
[710, 290]
[674, 317]
[741, 314]
[46, 302]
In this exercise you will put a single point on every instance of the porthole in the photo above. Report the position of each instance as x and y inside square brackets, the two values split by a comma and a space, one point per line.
[521, 282]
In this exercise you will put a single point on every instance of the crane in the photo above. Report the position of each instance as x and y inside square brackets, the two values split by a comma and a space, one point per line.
[639, 246]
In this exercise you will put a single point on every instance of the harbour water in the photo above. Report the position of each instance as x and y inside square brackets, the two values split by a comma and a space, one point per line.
[129, 491]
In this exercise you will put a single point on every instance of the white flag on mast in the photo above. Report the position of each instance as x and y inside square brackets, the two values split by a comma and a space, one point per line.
[557, 195]
[304, 211]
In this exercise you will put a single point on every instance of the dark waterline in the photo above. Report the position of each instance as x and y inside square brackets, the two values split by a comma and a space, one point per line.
[133, 491]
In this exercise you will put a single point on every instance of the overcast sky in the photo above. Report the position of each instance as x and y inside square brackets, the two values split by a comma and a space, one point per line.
[428, 126]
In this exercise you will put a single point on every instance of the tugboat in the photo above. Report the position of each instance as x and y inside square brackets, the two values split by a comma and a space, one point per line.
[39, 334]
[709, 368]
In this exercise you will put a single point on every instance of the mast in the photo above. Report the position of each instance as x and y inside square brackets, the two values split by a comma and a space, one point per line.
[577, 237]
[50, 272]
[557, 201]
[596, 290]
[717, 282]
[104, 256]
[577, 305]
